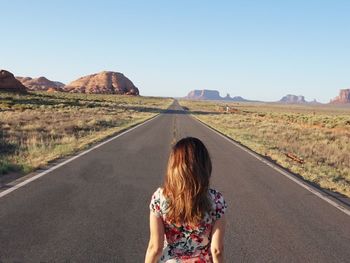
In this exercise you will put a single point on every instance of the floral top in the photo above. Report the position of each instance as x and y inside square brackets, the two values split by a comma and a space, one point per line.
[184, 243]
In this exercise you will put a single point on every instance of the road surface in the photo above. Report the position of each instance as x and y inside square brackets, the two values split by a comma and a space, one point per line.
[95, 208]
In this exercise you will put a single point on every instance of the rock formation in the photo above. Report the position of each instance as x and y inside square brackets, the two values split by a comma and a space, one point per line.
[293, 99]
[106, 82]
[204, 95]
[211, 95]
[8, 82]
[41, 84]
[238, 98]
[342, 98]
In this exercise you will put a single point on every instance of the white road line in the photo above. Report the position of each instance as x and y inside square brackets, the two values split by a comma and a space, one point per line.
[313, 190]
[31, 179]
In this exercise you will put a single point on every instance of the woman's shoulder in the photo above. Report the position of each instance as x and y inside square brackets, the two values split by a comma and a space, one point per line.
[158, 190]
[158, 193]
[158, 203]
[215, 194]
[218, 201]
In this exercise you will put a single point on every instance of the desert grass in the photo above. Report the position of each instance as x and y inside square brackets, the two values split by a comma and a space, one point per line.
[319, 136]
[40, 127]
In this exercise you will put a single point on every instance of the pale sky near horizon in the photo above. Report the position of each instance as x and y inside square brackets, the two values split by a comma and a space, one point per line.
[260, 50]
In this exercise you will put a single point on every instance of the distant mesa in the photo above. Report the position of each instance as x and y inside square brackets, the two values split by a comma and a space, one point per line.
[293, 99]
[342, 98]
[204, 95]
[41, 84]
[106, 82]
[237, 98]
[9, 83]
[296, 99]
[211, 95]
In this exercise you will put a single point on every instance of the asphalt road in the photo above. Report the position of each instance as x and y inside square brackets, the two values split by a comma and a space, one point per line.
[95, 208]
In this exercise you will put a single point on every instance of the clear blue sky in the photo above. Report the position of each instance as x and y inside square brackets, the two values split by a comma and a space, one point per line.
[256, 49]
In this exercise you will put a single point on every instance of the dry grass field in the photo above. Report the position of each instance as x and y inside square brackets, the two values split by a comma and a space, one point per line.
[40, 127]
[312, 141]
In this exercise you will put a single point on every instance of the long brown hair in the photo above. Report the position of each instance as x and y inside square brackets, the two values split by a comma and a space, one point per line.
[187, 182]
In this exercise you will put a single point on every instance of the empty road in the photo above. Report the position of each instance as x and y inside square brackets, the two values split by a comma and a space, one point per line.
[95, 208]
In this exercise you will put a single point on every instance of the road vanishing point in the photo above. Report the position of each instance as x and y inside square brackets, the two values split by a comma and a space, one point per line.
[94, 208]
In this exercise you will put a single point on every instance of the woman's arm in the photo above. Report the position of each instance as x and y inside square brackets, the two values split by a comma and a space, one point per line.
[217, 240]
[156, 241]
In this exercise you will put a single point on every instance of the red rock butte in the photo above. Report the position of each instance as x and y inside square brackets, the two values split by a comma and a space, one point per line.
[40, 84]
[105, 82]
[9, 83]
[343, 97]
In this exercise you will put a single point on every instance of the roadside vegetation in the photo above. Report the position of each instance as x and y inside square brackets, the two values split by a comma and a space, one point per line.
[312, 141]
[40, 127]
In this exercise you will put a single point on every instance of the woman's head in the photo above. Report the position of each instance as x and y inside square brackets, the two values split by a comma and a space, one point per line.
[187, 181]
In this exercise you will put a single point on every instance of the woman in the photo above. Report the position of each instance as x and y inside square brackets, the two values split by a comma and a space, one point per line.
[185, 211]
